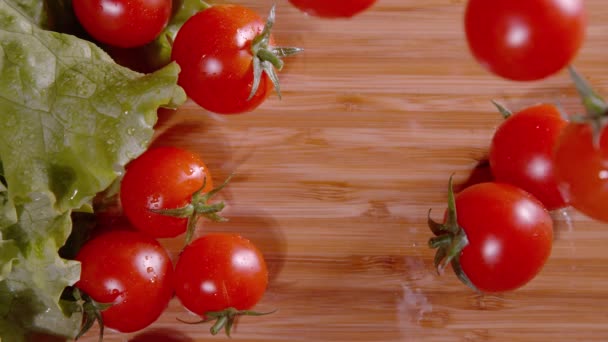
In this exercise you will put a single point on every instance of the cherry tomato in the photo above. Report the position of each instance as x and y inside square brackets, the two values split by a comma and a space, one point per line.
[333, 9]
[131, 271]
[509, 235]
[521, 152]
[581, 167]
[525, 40]
[123, 23]
[219, 271]
[214, 50]
[162, 178]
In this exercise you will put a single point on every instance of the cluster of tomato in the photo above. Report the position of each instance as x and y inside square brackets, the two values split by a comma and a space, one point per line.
[228, 64]
[217, 48]
[498, 234]
[218, 276]
[226, 53]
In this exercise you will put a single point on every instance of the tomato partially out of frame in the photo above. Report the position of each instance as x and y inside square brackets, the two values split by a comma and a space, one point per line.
[525, 40]
[333, 9]
[581, 155]
[581, 162]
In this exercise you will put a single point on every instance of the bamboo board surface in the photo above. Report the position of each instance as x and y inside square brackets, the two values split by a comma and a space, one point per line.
[334, 181]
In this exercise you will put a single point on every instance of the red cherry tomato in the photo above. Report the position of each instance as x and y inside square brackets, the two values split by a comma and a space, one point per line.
[501, 239]
[510, 236]
[220, 271]
[333, 9]
[521, 152]
[213, 49]
[162, 178]
[525, 40]
[131, 271]
[123, 23]
[581, 167]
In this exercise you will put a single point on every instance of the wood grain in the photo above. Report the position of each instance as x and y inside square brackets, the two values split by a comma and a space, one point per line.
[334, 182]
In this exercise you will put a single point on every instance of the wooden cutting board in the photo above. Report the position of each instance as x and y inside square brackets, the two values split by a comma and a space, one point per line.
[334, 182]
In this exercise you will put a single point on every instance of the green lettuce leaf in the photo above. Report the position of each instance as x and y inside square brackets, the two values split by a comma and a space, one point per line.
[29, 295]
[34, 10]
[70, 120]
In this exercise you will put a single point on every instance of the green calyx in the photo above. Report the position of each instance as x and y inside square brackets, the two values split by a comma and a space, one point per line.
[203, 5]
[74, 300]
[595, 106]
[449, 240]
[198, 207]
[504, 111]
[267, 59]
[224, 319]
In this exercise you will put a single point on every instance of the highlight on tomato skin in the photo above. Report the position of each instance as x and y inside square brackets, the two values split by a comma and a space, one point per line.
[525, 40]
[331, 8]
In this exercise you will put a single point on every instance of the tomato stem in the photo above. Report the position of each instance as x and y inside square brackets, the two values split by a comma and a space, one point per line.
[286, 51]
[219, 325]
[78, 301]
[562, 112]
[198, 207]
[436, 228]
[449, 240]
[502, 109]
[225, 319]
[596, 107]
[438, 241]
[461, 274]
[203, 208]
[181, 212]
[267, 55]
[452, 220]
[267, 59]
